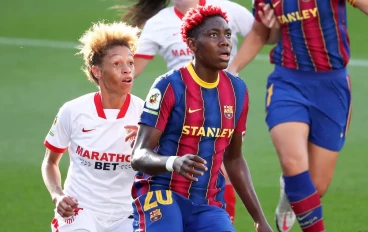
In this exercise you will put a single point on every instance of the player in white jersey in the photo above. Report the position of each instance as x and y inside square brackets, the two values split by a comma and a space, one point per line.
[94, 129]
[161, 34]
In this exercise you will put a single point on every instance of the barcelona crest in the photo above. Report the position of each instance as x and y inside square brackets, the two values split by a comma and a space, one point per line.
[155, 215]
[228, 112]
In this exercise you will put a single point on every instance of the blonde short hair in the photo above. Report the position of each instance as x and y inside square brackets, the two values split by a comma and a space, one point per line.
[101, 37]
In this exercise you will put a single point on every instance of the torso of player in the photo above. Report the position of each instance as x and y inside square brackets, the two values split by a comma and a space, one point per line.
[314, 35]
[167, 24]
[203, 118]
[100, 174]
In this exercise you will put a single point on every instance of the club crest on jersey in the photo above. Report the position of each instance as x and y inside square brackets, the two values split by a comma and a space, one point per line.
[69, 220]
[153, 99]
[155, 215]
[228, 112]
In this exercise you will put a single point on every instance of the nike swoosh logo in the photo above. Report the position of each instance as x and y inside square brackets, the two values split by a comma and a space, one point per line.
[84, 130]
[284, 225]
[275, 4]
[192, 111]
[306, 215]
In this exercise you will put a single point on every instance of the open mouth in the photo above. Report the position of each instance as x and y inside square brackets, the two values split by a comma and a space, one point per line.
[127, 80]
[225, 55]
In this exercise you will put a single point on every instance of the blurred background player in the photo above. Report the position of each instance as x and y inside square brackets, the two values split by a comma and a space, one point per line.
[161, 34]
[308, 99]
[192, 122]
[97, 191]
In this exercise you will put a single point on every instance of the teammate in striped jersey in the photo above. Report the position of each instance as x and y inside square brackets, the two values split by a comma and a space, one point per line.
[193, 121]
[308, 99]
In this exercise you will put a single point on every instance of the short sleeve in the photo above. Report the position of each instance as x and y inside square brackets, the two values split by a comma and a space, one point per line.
[242, 122]
[158, 105]
[58, 138]
[147, 46]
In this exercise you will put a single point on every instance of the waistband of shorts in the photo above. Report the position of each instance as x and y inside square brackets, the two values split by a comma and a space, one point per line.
[312, 75]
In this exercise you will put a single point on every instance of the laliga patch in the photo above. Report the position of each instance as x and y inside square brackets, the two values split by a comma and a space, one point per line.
[153, 99]
[155, 215]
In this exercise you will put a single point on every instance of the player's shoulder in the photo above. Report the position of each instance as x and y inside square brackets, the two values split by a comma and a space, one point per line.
[137, 101]
[79, 102]
[238, 83]
[171, 77]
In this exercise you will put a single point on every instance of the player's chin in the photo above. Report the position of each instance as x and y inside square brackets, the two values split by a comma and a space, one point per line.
[222, 65]
[125, 89]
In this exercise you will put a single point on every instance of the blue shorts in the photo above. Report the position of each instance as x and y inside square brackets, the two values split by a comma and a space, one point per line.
[164, 210]
[320, 99]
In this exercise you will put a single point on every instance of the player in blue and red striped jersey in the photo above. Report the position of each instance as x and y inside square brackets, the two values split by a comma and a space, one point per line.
[308, 99]
[193, 121]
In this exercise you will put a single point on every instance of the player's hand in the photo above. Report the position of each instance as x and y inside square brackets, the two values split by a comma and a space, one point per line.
[132, 134]
[268, 17]
[65, 205]
[263, 227]
[186, 166]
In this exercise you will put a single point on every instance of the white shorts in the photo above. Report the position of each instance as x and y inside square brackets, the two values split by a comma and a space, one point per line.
[86, 221]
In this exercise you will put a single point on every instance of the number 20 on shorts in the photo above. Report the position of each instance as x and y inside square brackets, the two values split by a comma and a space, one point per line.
[149, 204]
[269, 95]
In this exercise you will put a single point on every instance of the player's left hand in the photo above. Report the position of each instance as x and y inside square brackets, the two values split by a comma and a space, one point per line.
[132, 134]
[268, 16]
[263, 227]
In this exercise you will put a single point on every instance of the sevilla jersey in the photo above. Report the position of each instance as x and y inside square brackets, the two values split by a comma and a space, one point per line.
[314, 34]
[100, 175]
[198, 118]
[161, 33]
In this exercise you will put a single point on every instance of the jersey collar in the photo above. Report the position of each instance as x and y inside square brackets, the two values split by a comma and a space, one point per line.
[181, 15]
[201, 82]
[101, 112]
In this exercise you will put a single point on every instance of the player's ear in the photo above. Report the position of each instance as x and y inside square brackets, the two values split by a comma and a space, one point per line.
[191, 42]
[96, 71]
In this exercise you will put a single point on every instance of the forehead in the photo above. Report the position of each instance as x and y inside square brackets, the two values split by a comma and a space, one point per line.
[215, 22]
[118, 50]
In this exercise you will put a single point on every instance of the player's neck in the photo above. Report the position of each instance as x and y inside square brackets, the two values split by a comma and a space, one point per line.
[206, 74]
[183, 8]
[112, 101]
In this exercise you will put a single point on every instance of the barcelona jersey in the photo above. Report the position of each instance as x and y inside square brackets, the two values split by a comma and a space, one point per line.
[197, 118]
[314, 34]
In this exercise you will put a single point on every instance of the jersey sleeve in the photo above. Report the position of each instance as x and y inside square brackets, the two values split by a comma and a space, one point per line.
[256, 8]
[243, 18]
[242, 122]
[147, 46]
[158, 105]
[58, 138]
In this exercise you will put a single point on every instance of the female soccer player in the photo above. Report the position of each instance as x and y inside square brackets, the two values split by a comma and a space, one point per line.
[97, 191]
[308, 100]
[192, 122]
[161, 34]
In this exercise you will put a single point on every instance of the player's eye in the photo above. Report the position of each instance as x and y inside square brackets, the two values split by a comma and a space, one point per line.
[228, 35]
[116, 64]
[131, 63]
[213, 35]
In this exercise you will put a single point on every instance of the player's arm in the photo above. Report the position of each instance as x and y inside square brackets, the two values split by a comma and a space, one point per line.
[239, 174]
[56, 142]
[253, 42]
[360, 4]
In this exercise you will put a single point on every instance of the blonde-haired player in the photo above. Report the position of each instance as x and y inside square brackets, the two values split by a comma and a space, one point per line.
[94, 128]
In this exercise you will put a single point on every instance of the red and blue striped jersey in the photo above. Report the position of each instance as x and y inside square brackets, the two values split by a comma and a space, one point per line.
[197, 118]
[314, 34]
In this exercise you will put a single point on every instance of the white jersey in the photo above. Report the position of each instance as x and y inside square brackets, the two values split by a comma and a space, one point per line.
[161, 33]
[100, 176]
